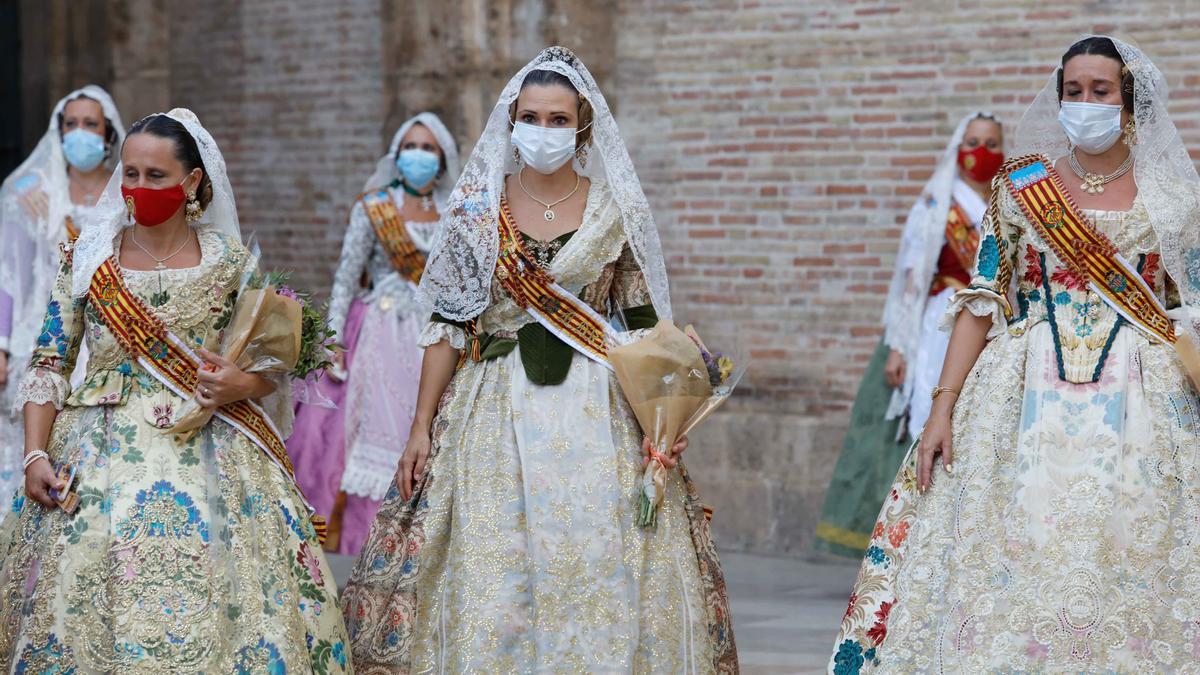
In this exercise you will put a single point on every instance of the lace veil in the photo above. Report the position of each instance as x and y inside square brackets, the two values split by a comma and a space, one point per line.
[1165, 175]
[458, 276]
[385, 169]
[25, 240]
[99, 238]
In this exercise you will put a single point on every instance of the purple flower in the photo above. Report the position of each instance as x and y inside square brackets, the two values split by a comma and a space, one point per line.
[287, 293]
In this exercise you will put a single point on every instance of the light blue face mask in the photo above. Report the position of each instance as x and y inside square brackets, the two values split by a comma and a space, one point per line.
[418, 166]
[83, 149]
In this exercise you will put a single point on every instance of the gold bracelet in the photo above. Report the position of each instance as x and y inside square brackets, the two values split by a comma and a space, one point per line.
[939, 390]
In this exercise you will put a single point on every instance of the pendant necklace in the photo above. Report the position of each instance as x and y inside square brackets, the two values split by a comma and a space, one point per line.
[1093, 183]
[549, 214]
[426, 198]
[159, 263]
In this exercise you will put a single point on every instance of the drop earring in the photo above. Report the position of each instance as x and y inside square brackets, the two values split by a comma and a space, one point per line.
[193, 211]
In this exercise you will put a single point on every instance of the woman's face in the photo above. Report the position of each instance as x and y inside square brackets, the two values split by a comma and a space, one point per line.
[419, 137]
[1092, 78]
[553, 106]
[149, 161]
[83, 113]
[983, 132]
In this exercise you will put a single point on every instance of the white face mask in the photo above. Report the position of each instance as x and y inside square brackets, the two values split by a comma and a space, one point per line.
[543, 149]
[1091, 127]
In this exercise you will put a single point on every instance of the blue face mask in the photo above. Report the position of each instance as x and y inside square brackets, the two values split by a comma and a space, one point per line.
[83, 149]
[418, 166]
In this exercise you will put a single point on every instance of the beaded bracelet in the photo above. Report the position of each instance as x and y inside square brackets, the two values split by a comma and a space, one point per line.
[34, 456]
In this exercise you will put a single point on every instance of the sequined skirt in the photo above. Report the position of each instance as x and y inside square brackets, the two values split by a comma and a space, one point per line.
[519, 551]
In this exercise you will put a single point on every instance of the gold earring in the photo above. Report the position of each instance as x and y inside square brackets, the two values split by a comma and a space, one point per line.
[1130, 135]
[516, 154]
[193, 211]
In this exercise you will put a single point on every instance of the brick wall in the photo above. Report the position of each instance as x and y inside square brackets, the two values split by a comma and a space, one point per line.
[780, 143]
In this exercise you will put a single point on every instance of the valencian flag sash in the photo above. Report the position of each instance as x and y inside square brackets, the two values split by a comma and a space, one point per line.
[170, 361]
[391, 231]
[532, 288]
[1040, 191]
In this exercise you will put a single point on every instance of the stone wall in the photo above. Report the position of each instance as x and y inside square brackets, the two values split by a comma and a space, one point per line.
[780, 143]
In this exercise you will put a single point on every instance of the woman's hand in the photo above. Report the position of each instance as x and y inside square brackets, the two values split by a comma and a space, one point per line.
[412, 464]
[39, 479]
[894, 369]
[222, 382]
[935, 440]
[671, 458]
[337, 368]
[3, 369]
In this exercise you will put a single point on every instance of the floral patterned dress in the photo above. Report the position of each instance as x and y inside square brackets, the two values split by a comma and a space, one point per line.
[519, 551]
[193, 557]
[1067, 538]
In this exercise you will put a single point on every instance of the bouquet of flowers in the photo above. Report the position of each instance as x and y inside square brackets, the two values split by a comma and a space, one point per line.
[673, 382]
[273, 329]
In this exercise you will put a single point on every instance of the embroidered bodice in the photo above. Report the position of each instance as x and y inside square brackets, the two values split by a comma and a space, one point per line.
[196, 304]
[1048, 290]
[363, 252]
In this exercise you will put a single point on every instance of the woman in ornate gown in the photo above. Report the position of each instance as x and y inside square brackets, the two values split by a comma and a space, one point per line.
[345, 456]
[193, 556]
[43, 204]
[1061, 530]
[936, 258]
[508, 542]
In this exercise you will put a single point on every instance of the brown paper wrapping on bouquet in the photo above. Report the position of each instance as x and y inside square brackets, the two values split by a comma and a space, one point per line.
[263, 337]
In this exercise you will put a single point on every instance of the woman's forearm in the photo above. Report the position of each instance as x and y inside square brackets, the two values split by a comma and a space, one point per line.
[39, 420]
[437, 369]
[966, 344]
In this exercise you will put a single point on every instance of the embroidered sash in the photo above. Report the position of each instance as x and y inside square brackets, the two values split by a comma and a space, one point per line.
[961, 237]
[170, 361]
[532, 288]
[72, 231]
[389, 227]
[1048, 206]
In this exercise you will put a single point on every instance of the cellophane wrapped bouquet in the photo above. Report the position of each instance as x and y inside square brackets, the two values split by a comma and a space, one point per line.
[273, 329]
[673, 381]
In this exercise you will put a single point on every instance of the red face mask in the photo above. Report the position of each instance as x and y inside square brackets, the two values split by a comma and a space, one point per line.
[980, 164]
[150, 207]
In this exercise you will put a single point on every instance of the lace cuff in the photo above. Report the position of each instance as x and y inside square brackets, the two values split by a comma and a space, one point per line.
[436, 331]
[42, 386]
[980, 302]
[4, 343]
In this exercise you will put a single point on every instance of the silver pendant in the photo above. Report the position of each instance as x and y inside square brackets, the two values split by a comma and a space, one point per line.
[548, 215]
[159, 266]
[1093, 184]
[426, 203]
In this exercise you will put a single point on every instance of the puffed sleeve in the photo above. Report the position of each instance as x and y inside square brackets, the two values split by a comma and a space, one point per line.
[57, 345]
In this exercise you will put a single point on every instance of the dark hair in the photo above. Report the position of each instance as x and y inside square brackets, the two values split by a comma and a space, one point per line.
[547, 78]
[110, 131]
[441, 152]
[1100, 46]
[186, 150]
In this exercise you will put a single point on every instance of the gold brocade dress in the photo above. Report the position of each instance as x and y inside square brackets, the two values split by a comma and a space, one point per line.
[519, 551]
[193, 557]
[1068, 536]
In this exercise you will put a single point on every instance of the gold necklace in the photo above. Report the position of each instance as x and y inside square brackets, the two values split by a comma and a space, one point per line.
[549, 214]
[1093, 183]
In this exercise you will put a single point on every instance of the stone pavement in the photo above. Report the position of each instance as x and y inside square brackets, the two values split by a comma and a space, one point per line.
[785, 610]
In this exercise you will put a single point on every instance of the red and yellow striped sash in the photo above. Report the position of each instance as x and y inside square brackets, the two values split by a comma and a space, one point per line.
[961, 237]
[1039, 190]
[389, 227]
[72, 231]
[166, 357]
[556, 308]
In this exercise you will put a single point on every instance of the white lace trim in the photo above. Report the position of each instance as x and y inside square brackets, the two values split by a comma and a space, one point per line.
[980, 302]
[371, 470]
[42, 386]
[436, 331]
